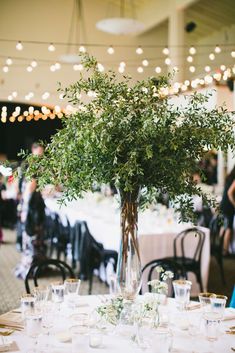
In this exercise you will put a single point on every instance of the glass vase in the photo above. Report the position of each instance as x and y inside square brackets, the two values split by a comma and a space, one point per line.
[129, 265]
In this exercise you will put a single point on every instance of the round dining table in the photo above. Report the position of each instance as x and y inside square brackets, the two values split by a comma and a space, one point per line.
[57, 338]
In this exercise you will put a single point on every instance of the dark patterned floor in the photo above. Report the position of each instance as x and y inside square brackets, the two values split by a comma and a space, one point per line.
[11, 288]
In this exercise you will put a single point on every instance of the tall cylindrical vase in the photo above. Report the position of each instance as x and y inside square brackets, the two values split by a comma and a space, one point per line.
[129, 265]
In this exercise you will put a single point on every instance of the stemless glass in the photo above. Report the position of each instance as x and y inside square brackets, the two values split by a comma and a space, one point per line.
[212, 322]
[57, 289]
[33, 326]
[205, 301]
[162, 340]
[182, 292]
[41, 296]
[71, 288]
[218, 303]
[80, 338]
[27, 303]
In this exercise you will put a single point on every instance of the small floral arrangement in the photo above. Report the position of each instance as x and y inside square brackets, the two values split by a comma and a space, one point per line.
[160, 286]
[111, 311]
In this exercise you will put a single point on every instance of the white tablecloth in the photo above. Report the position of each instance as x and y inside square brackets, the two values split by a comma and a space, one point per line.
[156, 229]
[182, 341]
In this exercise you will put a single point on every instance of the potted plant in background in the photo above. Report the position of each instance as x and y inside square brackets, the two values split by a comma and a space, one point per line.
[129, 134]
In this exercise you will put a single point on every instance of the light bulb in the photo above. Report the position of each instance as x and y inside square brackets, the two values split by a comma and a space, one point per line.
[122, 64]
[31, 94]
[121, 69]
[233, 54]
[187, 83]
[158, 70]
[140, 70]
[52, 68]
[29, 69]
[192, 68]
[100, 67]
[184, 88]
[82, 49]
[78, 67]
[208, 79]
[51, 47]
[19, 46]
[207, 68]
[110, 50]
[57, 66]
[4, 108]
[145, 62]
[14, 94]
[222, 67]
[9, 61]
[212, 56]
[34, 63]
[5, 69]
[45, 95]
[61, 96]
[192, 50]
[167, 61]
[189, 59]
[10, 97]
[176, 69]
[217, 49]
[139, 51]
[166, 51]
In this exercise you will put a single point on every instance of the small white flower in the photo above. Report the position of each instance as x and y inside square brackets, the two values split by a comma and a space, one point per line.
[5, 171]
[145, 90]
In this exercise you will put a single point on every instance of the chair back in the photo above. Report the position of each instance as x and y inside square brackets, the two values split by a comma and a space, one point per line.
[217, 230]
[167, 265]
[37, 268]
[191, 239]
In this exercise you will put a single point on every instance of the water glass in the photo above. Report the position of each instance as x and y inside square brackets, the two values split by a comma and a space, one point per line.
[182, 292]
[80, 338]
[33, 327]
[71, 287]
[41, 295]
[27, 303]
[57, 292]
[95, 338]
[212, 322]
[205, 301]
[218, 303]
[162, 340]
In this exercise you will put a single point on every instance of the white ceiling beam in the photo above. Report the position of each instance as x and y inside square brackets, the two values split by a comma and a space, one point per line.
[155, 12]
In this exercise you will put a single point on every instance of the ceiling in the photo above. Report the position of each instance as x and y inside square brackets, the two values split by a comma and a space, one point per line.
[41, 22]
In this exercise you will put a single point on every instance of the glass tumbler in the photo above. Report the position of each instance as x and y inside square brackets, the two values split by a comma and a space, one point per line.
[27, 303]
[218, 303]
[71, 287]
[57, 289]
[182, 292]
[212, 324]
[205, 301]
[80, 338]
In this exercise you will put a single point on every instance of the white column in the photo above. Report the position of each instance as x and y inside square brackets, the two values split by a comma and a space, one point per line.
[176, 39]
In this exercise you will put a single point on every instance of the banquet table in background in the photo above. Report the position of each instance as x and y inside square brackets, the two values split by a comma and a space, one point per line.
[66, 317]
[157, 229]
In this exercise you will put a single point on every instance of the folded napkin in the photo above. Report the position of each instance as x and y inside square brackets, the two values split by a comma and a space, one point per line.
[12, 319]
[5, 343]
[229, 314]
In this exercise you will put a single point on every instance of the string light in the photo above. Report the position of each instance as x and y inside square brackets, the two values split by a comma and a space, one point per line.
[10, 98]
[158, 70]
[233, 54]
[57, 66]
[222, 67]
[34, 63]
[217, 49]
[121, 69]
[207, 68]
[14, 94]
[192, 69]
[51, 47]
[139, 51]
[212, 56]
[29, 68]
[140, 69]
[122, 63]
[100, 67]
[5, 69]
[166, 51]
[19, 45]
[9, 61]
[61, 96]
[192, 50]
[82, 49]
[167, 61]
[190, 59]
[45, 95]
[110, 50]
[145, 62]
[175, 69]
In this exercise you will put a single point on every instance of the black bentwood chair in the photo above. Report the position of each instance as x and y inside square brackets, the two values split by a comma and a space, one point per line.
[193, 240]
[40, 269]
[167, 265]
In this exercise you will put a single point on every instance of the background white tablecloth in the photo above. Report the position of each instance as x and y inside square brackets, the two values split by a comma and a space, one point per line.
[156, 229]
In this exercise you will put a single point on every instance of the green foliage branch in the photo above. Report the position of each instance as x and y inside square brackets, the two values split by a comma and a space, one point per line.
[131, 135]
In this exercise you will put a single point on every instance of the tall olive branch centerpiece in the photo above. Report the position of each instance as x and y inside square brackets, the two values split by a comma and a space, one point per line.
[131, 135]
